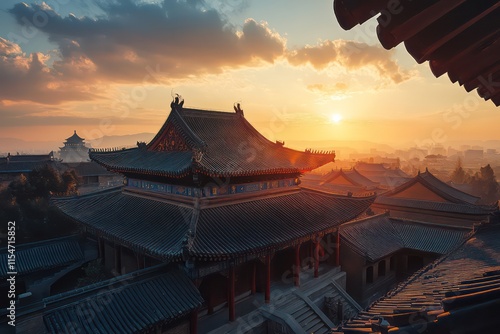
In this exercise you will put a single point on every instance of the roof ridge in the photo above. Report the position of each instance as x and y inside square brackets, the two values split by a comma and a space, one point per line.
[397, 220]
[90, 194]
[325, 193]
[40, 243]
[363, 220]
[107, 283]
[186, 130]
[427, 173]
[341, 172]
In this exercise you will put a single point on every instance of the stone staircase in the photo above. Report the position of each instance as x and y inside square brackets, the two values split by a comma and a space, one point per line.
[297, 310]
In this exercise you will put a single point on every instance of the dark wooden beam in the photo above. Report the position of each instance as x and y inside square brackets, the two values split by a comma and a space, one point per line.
[316, 258]
[296, 275]
[193, 322]
[267, 294]
[230, 296]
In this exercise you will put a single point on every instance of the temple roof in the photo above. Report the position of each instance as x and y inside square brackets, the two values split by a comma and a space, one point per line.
[87, 168]
[445, 207]
[44, 255]
[458, 293]
[132, 303]
[212, 143]
[212, 229]
[379, 236]
[386, 177]
[74, 139]
[458, 37]
[24, 163]
[428, 193]
[436, 186]
[352, 176]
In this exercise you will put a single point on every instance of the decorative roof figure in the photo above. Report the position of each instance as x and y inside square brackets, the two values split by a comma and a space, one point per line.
[177, 102]
[238, 110]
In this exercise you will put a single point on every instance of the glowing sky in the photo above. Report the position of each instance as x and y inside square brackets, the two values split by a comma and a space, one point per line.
[110, 68]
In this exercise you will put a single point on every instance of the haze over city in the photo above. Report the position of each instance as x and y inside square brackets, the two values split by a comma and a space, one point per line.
[110, 69]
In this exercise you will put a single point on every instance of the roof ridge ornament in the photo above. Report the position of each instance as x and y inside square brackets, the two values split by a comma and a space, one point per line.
[177, 102]
[237, 109]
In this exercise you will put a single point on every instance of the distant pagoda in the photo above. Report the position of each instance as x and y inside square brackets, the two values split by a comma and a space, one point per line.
[74, 149]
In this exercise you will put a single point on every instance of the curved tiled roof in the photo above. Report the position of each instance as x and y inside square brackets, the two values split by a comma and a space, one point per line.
[460, 37]
[462, 208]
[44, 255]
[226, 229]
[352, 175]
[128, 305]
[74, 139]
[226, 143]
[263, 224]
[144, 225]
[170, 164]
[457, 201]
[456, 293]
[379, 236]
[21, 163]
[450, 193]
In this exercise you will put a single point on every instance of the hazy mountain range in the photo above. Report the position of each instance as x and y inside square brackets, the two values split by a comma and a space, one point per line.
[343, 148]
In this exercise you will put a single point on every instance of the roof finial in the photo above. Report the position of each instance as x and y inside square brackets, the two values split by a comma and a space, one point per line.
[75, 132]
[237, 109]
[178, 101]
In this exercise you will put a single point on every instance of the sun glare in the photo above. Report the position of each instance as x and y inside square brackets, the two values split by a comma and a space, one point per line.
[335, 118]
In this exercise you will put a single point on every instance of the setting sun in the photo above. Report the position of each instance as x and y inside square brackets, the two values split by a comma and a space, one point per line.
[335, 118]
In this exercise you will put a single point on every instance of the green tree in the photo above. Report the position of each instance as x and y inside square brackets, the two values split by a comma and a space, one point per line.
[70, 182]
[27, 201]
[459, 176]
[485, 185]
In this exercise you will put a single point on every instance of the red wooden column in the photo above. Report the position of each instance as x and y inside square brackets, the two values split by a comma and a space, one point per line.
[267, 294]
[193, 326]
[230, 295]
[316, 258]
[337, 249]
[253, 282]
[296, 277]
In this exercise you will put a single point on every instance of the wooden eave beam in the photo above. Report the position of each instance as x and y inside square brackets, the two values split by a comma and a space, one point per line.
[422, 45]
[454, 51]
[414, 17]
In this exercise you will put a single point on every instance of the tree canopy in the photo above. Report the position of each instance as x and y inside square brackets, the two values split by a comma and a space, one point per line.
[27, 201]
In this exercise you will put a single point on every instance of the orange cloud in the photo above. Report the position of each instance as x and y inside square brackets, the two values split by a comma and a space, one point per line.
[351, 55]
[339, 87]
[28, 78]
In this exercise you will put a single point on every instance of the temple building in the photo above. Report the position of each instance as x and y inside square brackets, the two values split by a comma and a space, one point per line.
[428, 199]
[74, 149]
[379, 251]
[12, 166]
[93, 176]
[217, 208]
[342, 181]
[387, 178]
[456, 293]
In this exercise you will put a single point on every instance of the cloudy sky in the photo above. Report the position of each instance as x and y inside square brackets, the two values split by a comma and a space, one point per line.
[111, 67]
